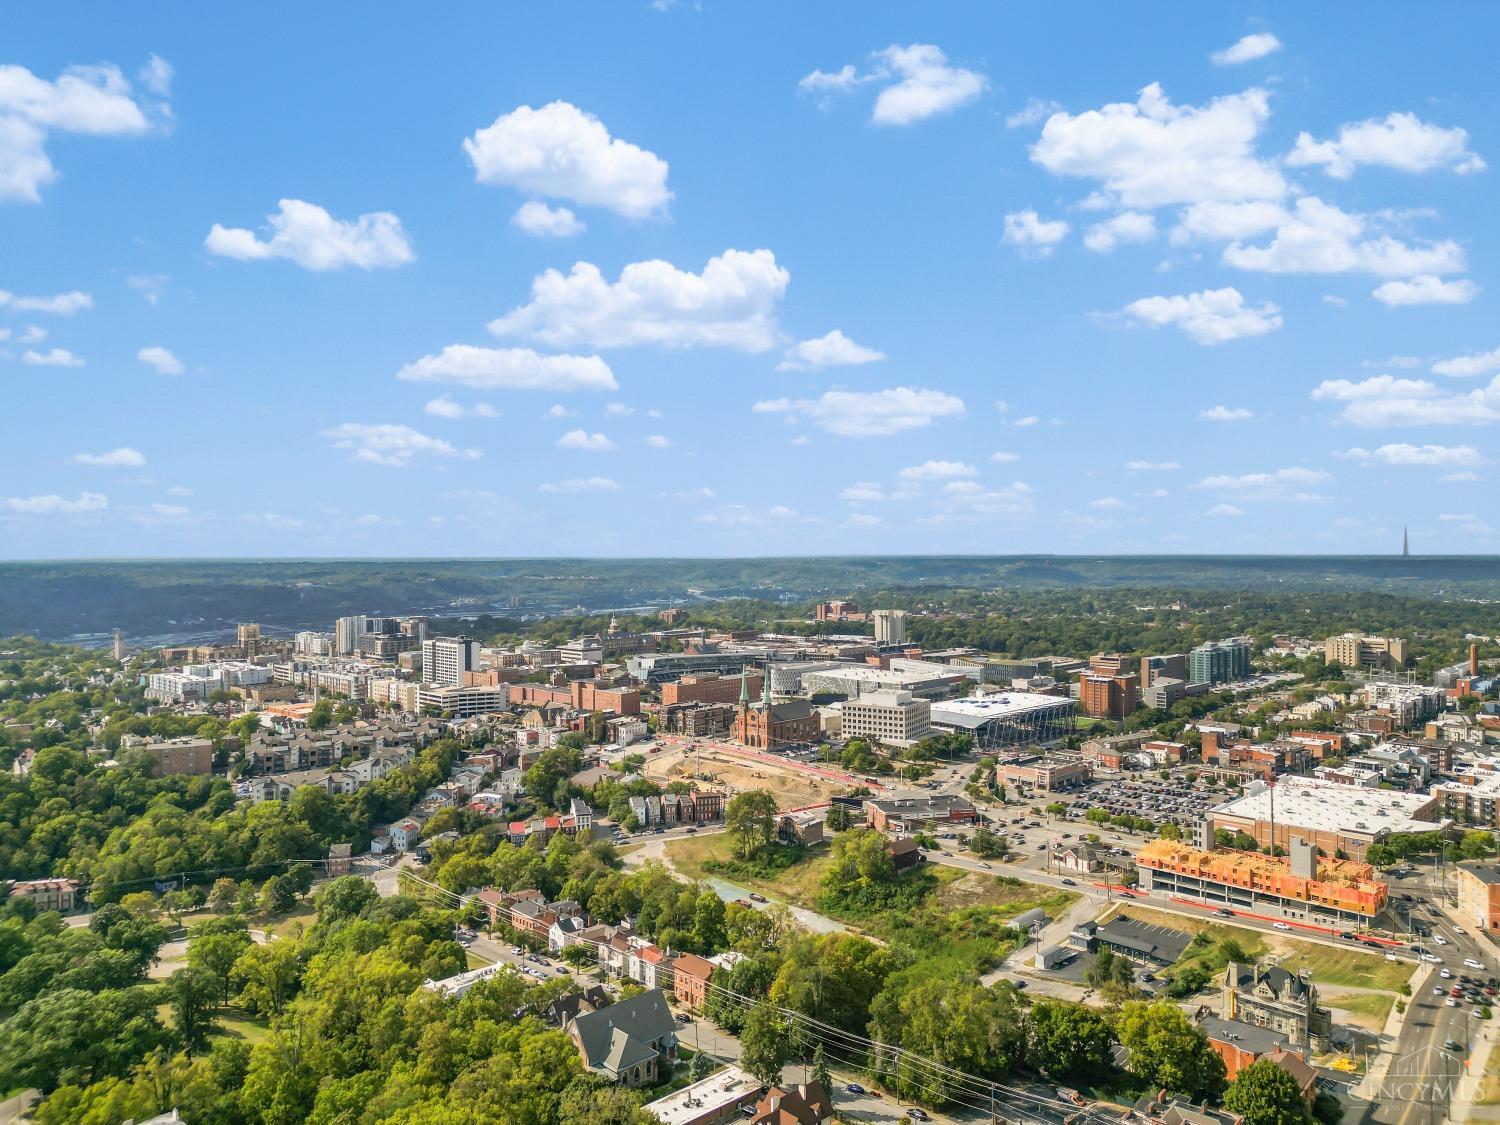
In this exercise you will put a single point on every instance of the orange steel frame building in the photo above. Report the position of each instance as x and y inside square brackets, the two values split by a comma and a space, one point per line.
[1245, 879]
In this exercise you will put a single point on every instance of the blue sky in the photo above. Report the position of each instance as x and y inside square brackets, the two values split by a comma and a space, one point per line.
[747, 278]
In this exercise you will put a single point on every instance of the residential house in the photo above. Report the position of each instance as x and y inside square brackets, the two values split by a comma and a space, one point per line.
[804, 1104]
[626, 1042]
[690, 977]
[405, 832]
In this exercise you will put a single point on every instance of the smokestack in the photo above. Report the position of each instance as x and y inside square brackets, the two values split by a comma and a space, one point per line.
[1473, 661]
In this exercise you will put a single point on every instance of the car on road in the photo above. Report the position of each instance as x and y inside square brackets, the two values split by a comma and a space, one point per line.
[1437, 990]
[1280, 926]
[854, 1088]
[1224, 912]
[1452, 1045]
[1440, 939]
[917, 1114]
[1445, 974]
[1459, 930]
[1431, 958]
[691, 831]
[754, 897]
[1473, 964]
[1451, 1002]
[683, 1017]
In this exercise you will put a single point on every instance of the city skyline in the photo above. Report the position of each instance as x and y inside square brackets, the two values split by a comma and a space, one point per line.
[688, 280]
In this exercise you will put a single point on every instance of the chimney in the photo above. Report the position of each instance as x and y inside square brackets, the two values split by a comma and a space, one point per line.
[1473, 661]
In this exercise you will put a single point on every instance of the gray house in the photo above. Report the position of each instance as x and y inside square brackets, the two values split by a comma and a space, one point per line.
[625, 1042]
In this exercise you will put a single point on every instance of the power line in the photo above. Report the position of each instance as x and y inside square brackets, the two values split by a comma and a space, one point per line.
[947, 1081]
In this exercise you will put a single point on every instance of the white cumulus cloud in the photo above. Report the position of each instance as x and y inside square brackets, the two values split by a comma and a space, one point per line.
[1151, 466]
[1149, 153]
[54, 505]
[392, 444]
[833, 350]
[1466, 366]
[92, 101]
[1280, 485]
[1004, 457]
[162, 361]
[585, 442]
[937, 470]
[1384, 400]
[1426, 289]
[581, 484]
[52, 357]
[658, 441]
[731, 304]
[1128, 226]
[445, 407]
[1400, 140]
[563, 152]
[1213, 316]
[1317, 237]
[510, 369]
[59, 304]
[1030, 231]
[1248, 49]
[916, 82]
[124, 457]
[536, 218]
[869, 413]
[1226, 414]
[1402, 453]
[308, 235]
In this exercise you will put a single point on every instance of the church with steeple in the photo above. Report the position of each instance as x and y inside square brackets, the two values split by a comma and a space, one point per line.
[768, 724]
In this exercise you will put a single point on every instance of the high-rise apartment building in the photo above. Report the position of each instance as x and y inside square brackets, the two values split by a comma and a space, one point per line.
[446, 659]
[346, 634]
[1220, 662]
[1105, 696]
[1168, 667]
[249, 639]
[1351, 650]
[890, 626]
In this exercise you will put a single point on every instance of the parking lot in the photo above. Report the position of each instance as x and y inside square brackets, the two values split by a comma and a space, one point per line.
[1172, 801]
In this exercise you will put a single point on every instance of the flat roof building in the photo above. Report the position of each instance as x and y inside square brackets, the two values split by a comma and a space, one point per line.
[892, 717]
[1008, 718]
[1304, 886]
[1334, 818]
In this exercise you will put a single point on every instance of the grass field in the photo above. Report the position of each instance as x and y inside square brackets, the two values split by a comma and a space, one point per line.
[1009, 897]
[293, 922]
[799, 884]
[1489, 1084]
[1329, 965]
[1369, 1010]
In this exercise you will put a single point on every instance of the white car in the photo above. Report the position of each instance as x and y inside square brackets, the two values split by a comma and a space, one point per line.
[1452, 1003]
[1470, 963]
[1438, 990]
[1439, 939]
[1460, 930]
[1446, 975]
[1432, 958]
[1390, 957]
[1280, 926]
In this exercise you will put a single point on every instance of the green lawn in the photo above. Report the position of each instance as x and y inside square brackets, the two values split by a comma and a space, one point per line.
[1369, 1009]
[292, 923]
[799, 884]
[1009, 896]
[235, 1024]
[1329, 965]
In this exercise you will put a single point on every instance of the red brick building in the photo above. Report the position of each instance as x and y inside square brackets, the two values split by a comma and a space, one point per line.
[1106, 696]
[690, 979]
[709, 689]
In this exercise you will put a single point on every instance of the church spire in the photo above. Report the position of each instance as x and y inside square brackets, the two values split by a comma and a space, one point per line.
[744, 687]
[765, 686]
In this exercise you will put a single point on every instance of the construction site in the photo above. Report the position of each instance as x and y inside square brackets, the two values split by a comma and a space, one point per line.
[735, 769]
